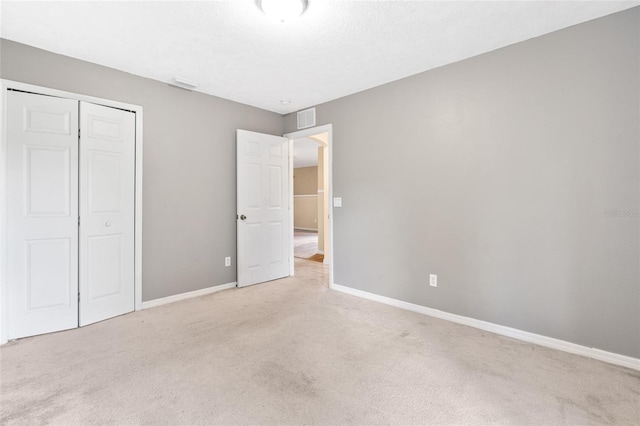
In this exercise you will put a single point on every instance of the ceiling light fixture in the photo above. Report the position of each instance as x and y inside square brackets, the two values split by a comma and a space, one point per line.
[285, 101]
[283, 10]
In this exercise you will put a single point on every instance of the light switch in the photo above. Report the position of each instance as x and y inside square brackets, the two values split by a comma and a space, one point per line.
[337, 201]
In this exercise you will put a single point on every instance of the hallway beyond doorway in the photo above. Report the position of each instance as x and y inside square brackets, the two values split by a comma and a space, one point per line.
[305, 245]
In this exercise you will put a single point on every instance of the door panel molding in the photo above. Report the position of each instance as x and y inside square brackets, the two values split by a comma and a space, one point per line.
[45, 120]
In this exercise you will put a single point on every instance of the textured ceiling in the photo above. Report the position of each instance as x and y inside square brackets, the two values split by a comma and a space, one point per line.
[336, 47]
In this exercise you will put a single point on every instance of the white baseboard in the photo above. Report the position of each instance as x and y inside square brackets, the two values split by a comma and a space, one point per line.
[188, 295]
[306, 229]
[320, 251]
[610, 357]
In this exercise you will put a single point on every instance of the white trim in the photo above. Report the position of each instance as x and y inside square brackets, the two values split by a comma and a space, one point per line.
[326, 128]
[291, 206]
[4, 329]
[138, 213]
[305, 229]
[320, 251]
[188, 295]
[306, 196]
[5, 85]
[610, 357]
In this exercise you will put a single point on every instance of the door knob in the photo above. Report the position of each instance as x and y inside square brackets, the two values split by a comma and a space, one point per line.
[243, 217]
[107, 224]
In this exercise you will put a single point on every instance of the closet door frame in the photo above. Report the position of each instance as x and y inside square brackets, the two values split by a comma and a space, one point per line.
[5, 86]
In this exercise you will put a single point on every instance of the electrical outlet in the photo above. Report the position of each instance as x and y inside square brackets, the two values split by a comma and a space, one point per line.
[227, 261]
[433, 280]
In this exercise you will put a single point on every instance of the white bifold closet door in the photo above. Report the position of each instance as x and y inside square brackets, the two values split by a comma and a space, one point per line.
[107, 175]
[42, 205]
[70, 203]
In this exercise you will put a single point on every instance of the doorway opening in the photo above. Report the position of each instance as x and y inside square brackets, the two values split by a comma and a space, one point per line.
[308, 199]
[310, 188]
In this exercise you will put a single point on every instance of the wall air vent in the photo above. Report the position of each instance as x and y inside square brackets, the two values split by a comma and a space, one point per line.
[306, 118]
[183, 83]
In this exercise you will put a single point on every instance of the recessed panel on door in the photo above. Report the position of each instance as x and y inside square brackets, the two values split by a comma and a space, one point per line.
[253, 195]
[47, 180]
[104, 266]
[276, 253]
[275, 187]
[107, 162]
[103, 128]
[48, 119]
[48, 272]
[105, 185]
[42, 206]
[254, 237]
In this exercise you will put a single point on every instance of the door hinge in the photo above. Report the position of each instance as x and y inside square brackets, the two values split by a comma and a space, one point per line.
[78, 133]
[78, 220]
[78, 297]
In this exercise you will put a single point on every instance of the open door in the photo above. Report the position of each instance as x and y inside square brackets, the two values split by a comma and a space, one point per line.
[262, 207]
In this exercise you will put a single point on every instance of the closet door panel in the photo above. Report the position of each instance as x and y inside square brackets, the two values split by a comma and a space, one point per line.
[107, 166]
[42, 206]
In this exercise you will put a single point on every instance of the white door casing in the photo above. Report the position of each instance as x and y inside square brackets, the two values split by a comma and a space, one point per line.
[262, 207]
[328, 189]
[107, 175]
[42, 207]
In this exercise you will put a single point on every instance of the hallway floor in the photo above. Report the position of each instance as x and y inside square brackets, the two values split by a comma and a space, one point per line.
[305, 245]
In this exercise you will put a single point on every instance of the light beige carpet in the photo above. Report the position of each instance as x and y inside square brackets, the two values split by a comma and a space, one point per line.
[294, 352]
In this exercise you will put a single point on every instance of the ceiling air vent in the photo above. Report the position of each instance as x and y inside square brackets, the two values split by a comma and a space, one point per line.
[183, 83]
[306, 118]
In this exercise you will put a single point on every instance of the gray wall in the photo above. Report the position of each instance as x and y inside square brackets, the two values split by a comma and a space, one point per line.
[496, 173]
[189, 164]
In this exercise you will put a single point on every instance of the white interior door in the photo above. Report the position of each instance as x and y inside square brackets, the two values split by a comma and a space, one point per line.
[42, 206]
[262, 207]
[107, 175]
